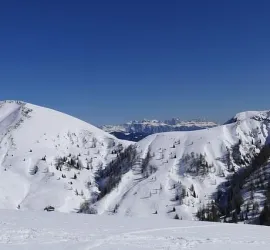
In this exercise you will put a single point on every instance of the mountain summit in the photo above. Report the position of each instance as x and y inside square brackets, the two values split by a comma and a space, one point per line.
[48, 158]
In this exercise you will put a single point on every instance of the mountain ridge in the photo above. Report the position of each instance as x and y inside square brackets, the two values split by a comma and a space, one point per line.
[137, 130]
[156, 126]
[48, 158]
[189, 167]
[41, 153]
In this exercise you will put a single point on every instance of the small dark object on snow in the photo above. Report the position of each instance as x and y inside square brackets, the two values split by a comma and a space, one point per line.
[49, 209]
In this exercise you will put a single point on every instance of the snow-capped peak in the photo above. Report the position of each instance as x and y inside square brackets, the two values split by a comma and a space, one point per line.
[249, 115]
[156, 126]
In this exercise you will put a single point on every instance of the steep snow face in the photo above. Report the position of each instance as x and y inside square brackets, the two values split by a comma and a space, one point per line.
[184, 169]
[155, 126]
[49, 158]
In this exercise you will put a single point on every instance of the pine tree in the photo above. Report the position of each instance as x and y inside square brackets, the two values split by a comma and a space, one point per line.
[234, 218]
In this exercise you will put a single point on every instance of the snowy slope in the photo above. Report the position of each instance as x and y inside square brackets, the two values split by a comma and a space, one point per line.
[38, 230]
[31, 140]
[169, 190]
[51, 159]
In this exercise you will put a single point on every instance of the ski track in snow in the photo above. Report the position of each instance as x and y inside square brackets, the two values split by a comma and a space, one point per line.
[132, 236]
[54, 231]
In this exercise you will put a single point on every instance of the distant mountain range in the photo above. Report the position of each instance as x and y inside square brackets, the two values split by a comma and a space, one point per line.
[137, 130]
[52, 161]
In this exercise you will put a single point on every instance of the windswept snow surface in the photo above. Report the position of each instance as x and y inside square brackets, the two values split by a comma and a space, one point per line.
[58, 231]
[31, 138]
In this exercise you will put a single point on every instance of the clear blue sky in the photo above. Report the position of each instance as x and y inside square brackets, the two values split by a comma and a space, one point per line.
[108, 61]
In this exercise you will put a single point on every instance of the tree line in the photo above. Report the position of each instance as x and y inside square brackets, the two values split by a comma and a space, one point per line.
[228, 205]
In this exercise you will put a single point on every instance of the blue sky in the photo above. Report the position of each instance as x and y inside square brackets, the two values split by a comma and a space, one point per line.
[110, 61]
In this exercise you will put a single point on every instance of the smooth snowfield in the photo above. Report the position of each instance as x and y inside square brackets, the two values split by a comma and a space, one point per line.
[56, 231]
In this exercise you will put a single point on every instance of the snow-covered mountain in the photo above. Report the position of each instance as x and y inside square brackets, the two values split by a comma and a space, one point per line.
[136, 130]
[51, 159]
[155, 126]
[48, 158]
[176, 173]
